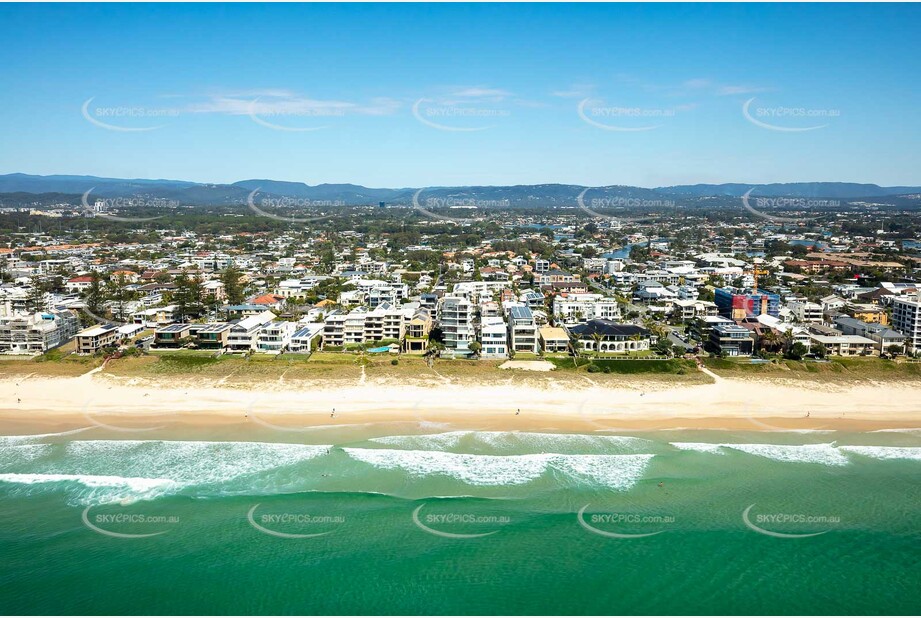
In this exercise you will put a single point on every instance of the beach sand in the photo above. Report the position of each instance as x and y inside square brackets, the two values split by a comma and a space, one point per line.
[40, 404]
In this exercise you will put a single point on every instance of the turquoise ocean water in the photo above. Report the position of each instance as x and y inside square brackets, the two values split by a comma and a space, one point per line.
[410, 518]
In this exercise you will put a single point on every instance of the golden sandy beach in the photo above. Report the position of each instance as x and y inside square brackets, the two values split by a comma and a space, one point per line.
[45, 404]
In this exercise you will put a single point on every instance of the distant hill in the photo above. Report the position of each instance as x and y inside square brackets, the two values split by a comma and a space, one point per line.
[533, 196]
[832, 190]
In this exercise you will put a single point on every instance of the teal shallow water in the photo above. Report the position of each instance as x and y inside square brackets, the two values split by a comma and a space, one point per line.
[380, 520]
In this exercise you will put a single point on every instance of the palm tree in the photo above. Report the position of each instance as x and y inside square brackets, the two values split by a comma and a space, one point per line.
[597, 338]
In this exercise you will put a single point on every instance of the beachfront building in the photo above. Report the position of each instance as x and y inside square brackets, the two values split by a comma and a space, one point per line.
[307, 338]
[455, 317]
[885, 337]
[416, 338]
[844, 345]
[606, 337]
[36, 333]
[275, 337]
[244, 334]
[728, 339]
[553, 339]
[94, 338]
[493, 337]
[213, 336]
[171, 336]
[522, 330]
[906, 318]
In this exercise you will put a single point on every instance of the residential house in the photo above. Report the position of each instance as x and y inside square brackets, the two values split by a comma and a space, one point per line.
[493, 337]
[606, 336]
[731, 340]
[94, 338]
[553, 339]
[244, 333]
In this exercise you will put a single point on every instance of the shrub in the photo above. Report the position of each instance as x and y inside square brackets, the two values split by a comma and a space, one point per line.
[395, 361]
[593, 368]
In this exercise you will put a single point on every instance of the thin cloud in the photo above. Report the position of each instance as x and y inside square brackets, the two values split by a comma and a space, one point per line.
[729, 90]
[285, 103]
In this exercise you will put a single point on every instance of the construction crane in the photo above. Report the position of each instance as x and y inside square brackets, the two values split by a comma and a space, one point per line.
[755, 271]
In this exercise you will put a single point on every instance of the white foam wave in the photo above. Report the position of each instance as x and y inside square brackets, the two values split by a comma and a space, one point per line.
[15, 454]
[703, 447]
[94, 489]
[885, 452]
[188, 463]
[517, 441]
[825, 454]
[614, 471]
[38, 437]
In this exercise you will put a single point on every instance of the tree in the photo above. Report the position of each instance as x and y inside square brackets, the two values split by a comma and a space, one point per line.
[233, 286]
[475, 347]
[797, 351]
[35, 300]
[95, 295]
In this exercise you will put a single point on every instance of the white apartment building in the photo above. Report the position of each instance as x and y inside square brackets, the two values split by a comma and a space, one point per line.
[522, 330]
[244, 333]
[306, 338]
[36, 333]
[805, 312]
[275, 337]
[455, 317]
[906, 318]
[475, 290]
[493, 338]
[574, 308]
[361, 325]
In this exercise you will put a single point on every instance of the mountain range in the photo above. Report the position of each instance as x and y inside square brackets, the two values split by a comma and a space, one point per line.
[194, 193]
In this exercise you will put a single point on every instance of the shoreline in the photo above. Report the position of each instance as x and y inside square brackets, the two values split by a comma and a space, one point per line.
[51, 405]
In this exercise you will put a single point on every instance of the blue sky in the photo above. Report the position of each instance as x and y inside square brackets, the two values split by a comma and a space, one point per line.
[423, 95]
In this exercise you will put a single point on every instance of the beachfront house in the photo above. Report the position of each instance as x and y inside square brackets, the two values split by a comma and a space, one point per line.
[306, 338]
[275, 337]
[553, 339]
[522, 330]
[608, 337]
[493, 337]
[172, 336]
[244, 334]
[730, 339]
[94, 338]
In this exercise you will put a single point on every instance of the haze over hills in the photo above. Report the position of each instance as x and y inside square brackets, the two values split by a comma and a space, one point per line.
[193, 193]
